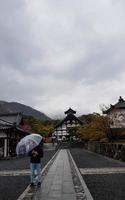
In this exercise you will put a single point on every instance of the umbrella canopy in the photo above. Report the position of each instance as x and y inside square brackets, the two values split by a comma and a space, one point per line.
[28, 143]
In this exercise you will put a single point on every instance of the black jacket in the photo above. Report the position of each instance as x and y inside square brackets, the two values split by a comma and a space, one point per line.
[36, 158]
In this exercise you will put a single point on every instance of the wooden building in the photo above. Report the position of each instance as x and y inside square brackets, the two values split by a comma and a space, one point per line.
[61, 129]
[10, 133]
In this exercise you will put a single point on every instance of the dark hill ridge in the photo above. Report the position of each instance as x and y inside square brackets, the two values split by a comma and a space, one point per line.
[12, 107]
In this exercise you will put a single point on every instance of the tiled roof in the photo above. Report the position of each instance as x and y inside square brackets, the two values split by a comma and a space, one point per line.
[69, 117]
[119, 105]
[11, 118]
[70, 111]
[4, 126]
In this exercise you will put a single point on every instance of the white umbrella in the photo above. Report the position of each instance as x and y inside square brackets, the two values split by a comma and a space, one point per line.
[28, 143]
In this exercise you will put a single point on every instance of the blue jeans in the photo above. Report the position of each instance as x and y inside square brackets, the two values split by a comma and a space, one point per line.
[35, 172]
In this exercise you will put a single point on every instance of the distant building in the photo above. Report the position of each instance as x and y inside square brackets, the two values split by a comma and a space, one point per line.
[10, 133]
[116, 113]
[61, 129]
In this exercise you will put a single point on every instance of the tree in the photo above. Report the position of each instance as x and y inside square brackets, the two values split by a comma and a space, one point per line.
[96, 129]
[45, 128]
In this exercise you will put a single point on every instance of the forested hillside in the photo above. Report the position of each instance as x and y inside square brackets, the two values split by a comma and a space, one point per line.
[12, 107]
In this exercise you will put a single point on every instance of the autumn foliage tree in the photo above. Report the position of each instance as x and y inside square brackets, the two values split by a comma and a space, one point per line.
[45, 128]
[95, 128]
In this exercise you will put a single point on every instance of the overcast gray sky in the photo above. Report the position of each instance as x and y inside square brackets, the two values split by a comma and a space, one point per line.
[56, 54]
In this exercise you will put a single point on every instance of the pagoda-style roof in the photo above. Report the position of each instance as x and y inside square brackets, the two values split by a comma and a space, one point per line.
[119, 105]
[70, 111]
[69, 117]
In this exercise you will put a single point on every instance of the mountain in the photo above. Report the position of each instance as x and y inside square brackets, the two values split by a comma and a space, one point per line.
[13, 107]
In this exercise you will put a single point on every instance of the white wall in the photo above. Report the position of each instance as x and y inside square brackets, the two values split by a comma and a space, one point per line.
[118, 118]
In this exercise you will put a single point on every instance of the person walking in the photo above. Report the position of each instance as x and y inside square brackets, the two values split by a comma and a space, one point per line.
[35, 164]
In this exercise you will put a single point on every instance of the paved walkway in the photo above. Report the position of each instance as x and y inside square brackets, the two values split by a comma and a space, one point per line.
[57, 184]
[111, 170]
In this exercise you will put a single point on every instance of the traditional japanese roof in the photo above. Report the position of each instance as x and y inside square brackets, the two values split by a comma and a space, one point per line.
[11, 118]
[4, 126]
[119, 105]
[12, 121]
[69, 117]
[70, 111]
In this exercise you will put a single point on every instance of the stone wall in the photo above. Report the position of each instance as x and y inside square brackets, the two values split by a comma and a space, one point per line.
[115, 151]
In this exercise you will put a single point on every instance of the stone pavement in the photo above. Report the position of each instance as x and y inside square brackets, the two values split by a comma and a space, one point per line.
[57, 184]
[111, 170]
[15, 172]
[61, 180]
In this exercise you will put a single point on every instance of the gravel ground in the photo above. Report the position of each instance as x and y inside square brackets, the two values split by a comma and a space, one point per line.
[106, 187]
[12, 186]
[102, 187]
[23, 162]
[86, 159]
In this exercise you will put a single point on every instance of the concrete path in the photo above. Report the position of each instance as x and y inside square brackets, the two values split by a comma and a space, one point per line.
[57, 184]
[15, 172]
[111, 170]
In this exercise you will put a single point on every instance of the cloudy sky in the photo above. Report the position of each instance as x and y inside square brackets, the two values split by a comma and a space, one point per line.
[56, 54]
